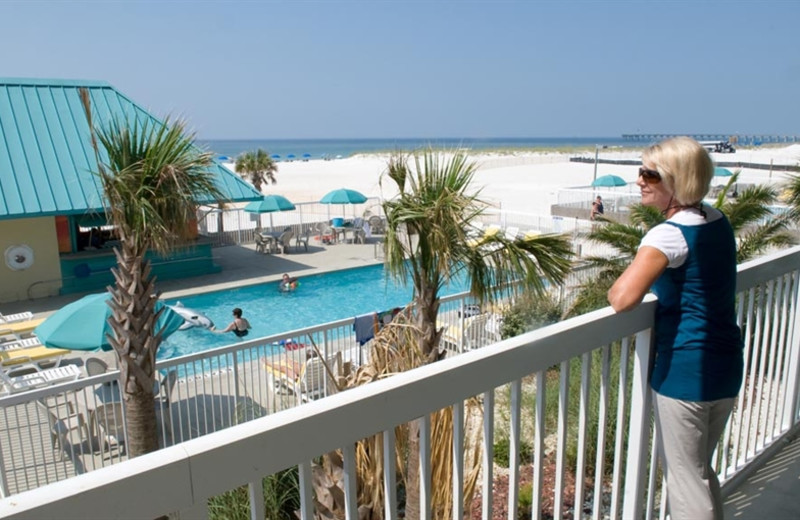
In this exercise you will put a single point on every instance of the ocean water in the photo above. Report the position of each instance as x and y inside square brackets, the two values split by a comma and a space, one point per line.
[333, 148]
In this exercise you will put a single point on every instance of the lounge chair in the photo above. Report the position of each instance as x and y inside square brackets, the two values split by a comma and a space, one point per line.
[302, 239]
[36, 357]
[33, 341]
[20, 316]
[19, 328]
[51, 376]
[512, 232]
[475, 334]
[60, 427]
[309, 380]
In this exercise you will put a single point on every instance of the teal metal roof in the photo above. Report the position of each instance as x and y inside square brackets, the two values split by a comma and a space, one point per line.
[46, 159]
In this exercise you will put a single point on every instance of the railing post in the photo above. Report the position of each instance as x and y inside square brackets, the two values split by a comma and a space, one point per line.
[793, 372]
[306, 491]
[638, 430]
[255, 491]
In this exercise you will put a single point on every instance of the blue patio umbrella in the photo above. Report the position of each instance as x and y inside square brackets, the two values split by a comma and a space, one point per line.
[275, 156]
[722, 172]
[223, 158]
[290, 156]
[269, 204]
[83, 324]
[343, 196]
[306, 156]
[609, 181]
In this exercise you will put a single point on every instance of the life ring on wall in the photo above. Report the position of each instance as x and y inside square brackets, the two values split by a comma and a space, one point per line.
[19, 258]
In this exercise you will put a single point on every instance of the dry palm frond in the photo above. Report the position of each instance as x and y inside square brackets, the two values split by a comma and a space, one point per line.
[394, 350]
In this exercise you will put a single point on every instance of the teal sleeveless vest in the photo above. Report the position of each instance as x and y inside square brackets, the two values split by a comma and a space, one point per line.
[698, 343]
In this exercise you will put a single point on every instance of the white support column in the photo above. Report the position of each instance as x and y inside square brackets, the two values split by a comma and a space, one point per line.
[638, 431]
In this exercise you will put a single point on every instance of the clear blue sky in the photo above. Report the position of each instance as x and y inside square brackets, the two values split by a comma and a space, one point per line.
[338, 69]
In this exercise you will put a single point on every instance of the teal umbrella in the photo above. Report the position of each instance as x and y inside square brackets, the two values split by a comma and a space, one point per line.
[269, 204]
[609, 181]
[83, 324]
[722, 172]
[343, 196]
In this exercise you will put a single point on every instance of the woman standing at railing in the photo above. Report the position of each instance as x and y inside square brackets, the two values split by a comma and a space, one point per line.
[689, 261]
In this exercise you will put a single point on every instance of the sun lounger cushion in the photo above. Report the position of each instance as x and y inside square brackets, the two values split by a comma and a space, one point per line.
[30, 355]
[20, 327]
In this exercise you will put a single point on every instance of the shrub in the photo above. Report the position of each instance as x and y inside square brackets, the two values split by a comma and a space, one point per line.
[530, 312]
[502, 450]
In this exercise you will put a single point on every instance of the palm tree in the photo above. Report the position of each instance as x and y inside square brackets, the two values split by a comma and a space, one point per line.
[428, 242]
[756, 227]
[151, 177]
[258, 167]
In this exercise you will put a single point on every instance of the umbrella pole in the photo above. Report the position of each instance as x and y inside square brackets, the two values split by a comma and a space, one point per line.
[271, 227]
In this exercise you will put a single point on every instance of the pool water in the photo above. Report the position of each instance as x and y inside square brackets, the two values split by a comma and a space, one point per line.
[318, 299]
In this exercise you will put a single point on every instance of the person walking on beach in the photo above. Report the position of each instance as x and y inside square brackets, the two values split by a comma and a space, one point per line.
[597, 207]
[239, 326]
[689, 261]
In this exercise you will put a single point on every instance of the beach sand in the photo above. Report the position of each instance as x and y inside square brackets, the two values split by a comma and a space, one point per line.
[523, 182]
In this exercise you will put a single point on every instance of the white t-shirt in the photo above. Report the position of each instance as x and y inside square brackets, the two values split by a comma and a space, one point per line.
[669, 239]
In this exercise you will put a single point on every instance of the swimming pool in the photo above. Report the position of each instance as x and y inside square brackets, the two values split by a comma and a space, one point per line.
[318, 299]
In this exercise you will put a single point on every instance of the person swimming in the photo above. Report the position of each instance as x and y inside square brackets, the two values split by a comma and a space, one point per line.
[239, 326]
[288, 283]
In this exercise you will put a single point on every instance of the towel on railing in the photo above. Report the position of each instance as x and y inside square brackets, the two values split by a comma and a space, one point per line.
[364, 326]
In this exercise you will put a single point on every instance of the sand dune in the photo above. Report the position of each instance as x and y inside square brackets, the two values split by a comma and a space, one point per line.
[526, 182]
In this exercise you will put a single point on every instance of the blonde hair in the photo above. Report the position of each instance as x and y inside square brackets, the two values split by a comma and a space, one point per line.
[685, 167]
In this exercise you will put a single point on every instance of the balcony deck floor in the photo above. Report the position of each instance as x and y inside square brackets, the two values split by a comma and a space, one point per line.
[771, 492]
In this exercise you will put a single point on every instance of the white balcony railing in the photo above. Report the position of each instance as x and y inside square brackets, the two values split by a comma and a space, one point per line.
[579, 360]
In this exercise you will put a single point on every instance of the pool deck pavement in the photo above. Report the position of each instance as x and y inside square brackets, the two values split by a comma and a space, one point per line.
[241, 265]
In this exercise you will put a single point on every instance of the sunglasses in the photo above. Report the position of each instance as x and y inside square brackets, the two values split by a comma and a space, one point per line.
[649, 176]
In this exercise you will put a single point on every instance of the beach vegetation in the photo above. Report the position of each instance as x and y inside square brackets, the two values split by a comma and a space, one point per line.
[432, 237]
[757, 227]
[257, 167]
[152, 174]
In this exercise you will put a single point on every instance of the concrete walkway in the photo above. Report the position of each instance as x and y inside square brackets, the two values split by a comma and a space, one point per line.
[241, 265]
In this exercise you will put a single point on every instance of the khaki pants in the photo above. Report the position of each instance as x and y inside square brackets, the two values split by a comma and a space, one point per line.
[688, 433]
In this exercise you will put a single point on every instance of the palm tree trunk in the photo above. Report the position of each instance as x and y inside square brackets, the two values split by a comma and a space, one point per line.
[133, 321]
[427, 308]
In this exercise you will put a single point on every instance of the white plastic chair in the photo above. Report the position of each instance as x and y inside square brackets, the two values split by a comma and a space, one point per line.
[61, 426]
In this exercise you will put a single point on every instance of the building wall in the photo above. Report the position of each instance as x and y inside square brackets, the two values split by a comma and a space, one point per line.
[40, 235]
